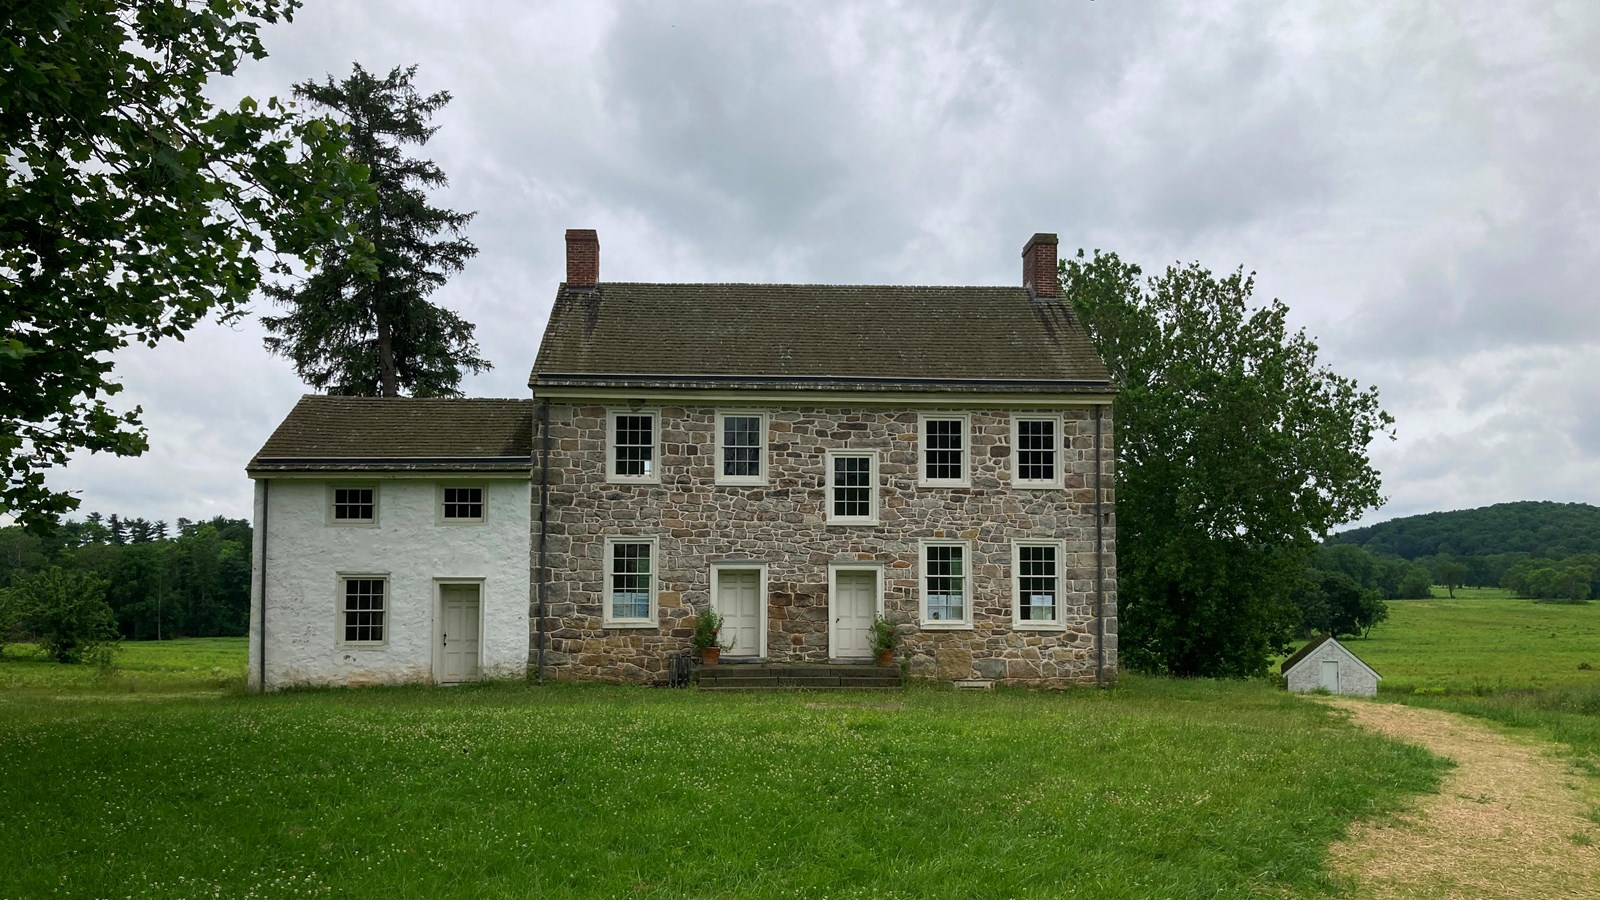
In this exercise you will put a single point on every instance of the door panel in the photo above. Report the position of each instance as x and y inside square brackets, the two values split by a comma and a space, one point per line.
[1330, 675]
[458, 632]
[853, 611]
[740, 602]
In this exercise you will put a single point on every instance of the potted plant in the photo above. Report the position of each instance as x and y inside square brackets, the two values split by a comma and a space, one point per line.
[885, 637]
[707, 628]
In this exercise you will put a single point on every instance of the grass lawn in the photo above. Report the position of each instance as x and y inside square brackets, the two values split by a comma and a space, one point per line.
[1153, 788]
[1490, 655]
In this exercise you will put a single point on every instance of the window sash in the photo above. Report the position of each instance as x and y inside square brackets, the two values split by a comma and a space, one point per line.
[851, 487]
[945, 576]
[355, 504]
[364, 610]
[1038, 447]
[742, 443]
[1038, 583]
[463, 504]
[633, 445]
[630, 582]
[944, 450]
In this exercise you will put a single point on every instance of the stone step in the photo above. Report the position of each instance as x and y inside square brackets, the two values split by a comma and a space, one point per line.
[818, 676]
[795, 687]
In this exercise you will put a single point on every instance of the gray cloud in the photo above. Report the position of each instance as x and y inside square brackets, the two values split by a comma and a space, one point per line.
[1415, 180]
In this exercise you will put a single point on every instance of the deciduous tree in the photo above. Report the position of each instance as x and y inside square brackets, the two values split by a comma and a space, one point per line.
[366, 327]
[132, 206]
[1236, 451]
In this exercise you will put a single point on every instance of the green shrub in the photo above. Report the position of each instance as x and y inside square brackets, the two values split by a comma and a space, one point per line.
[67, 613]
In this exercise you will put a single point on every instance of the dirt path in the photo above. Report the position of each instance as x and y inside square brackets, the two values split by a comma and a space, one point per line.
[1511, 820]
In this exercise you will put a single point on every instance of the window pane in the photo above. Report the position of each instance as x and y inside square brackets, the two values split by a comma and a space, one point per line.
[635, 445]
[630, 581]
[946, 583]
[1036, 450]
[463, 503]
[852, 487]
[942, 455]
[741, 446]
[363, 609]
[1038, 583]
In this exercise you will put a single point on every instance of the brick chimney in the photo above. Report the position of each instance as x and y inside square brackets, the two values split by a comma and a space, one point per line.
[1038, 265]
[583, 258]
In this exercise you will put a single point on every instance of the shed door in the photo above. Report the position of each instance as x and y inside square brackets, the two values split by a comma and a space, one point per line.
[1330, 676]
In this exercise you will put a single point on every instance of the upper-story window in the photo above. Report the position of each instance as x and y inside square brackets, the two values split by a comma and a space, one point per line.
[1036, 451]
[461, 504]
[741, 448]
[852, 487]
[944, 450]
[351, 504]
[634, 447]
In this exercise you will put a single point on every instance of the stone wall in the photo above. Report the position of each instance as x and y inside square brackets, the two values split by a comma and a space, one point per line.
[783, 523]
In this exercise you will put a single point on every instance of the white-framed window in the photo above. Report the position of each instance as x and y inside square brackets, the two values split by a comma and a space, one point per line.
[630, 582]
[946, 575]
[1037, 577]
[741, 448]
[633, 446]
[852, 494]
[943, 445]
[1036, 451]
[363, 609]
[461, 503]
[353, 504]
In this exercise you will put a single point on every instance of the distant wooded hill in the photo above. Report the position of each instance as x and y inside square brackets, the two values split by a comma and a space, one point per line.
[1535, 527]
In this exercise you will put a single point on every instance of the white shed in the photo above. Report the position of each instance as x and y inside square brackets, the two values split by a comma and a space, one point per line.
[1325, 663]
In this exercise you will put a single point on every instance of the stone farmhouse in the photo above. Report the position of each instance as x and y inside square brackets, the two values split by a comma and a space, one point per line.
[802, 458]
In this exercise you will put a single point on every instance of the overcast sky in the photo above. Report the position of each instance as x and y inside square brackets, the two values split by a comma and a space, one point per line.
[1419, 182]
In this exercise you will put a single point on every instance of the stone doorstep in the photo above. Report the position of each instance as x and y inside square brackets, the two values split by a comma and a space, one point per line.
[813, 677]
[797, 687]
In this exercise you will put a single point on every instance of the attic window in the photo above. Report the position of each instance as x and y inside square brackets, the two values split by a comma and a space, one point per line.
[354, 505]
[1036, 452]
[461, 504]
[633, 449]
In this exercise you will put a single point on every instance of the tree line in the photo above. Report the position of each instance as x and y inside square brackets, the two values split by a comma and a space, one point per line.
[150, 580]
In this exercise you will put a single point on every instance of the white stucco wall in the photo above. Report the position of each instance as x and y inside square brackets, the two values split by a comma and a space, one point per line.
[304, 558]
[1354, 678]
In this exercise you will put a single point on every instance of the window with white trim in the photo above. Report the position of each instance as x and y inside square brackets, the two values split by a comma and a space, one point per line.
[362, 608]
[630, 590]
[1036, 579]
[946, 583]
[1036, 451]
[741, 448]
[852, 494]
[944, 451]
[633, 448]
[354, 504]
[461, 504]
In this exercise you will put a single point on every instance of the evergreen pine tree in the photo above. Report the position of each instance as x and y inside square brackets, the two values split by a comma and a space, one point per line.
[361, 323]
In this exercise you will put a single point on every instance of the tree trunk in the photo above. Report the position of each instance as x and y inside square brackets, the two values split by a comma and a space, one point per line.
[388, 385]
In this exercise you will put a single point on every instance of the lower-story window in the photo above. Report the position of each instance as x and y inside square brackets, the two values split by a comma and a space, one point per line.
[630, 582]
[946, 583]
[1036, 583]
[363, 608]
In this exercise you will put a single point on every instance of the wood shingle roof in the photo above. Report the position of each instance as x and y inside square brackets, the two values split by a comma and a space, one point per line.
[377, 433]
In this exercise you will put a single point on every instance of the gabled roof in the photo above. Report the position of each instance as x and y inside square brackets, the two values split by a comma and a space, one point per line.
[400, 433]
[1300, 655]
[817, 336]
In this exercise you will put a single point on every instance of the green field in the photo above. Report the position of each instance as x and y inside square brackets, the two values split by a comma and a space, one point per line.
[1154, 788]
[194, 664]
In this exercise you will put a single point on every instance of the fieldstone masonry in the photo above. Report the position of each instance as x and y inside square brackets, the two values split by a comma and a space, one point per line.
[783, 523]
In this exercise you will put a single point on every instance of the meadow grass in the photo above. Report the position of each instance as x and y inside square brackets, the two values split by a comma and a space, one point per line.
[189, 664]
[1526, 665]
[1151, 788]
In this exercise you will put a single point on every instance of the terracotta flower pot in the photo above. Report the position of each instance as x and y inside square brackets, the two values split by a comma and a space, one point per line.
[885, 659]
[710, 656]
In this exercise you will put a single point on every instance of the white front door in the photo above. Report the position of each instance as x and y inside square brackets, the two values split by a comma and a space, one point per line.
[739, 601]
[1330, 676]
[855, 604]
[458, 632]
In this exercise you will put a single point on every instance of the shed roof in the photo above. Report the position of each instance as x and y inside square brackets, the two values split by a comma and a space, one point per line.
[386, 433]
[957, 338]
